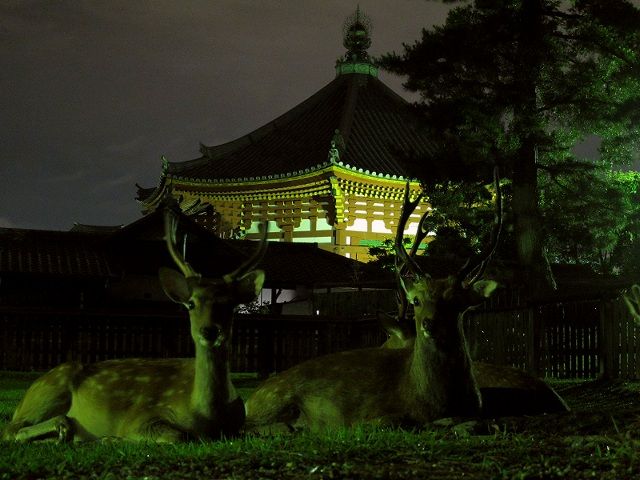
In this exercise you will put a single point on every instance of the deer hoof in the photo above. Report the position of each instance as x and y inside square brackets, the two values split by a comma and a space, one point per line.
[64, 430]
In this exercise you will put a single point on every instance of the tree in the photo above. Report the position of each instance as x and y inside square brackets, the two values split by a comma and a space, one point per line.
[520, 83]
[461, 217]
[384, 253]
[593, 219]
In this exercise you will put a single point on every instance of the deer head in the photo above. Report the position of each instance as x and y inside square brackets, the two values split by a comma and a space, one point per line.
[210, 301]
[439, 304]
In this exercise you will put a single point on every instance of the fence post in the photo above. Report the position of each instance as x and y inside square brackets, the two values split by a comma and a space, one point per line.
[9, 337]
[326, 333]
[533, 338]
[69, 331]
[266, 347]
[604, 343]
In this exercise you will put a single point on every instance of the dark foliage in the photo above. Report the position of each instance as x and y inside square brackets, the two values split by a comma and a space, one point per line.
[520, 84]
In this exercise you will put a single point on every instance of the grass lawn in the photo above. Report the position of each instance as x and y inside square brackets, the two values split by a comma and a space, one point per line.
[598, 439]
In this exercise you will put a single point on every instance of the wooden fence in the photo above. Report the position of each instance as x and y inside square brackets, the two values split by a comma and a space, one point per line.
[32, 339]
[578, 339]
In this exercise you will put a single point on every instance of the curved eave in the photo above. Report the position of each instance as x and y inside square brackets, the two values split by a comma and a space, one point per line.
[274, 182]
[154, 196]
[320, 168]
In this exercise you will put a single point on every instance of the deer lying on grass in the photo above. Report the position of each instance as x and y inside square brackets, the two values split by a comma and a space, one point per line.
[429, 379]
[505, 391]
[162, 400]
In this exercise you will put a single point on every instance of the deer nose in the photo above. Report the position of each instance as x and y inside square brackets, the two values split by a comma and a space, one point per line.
[210, 333]
[212, 336]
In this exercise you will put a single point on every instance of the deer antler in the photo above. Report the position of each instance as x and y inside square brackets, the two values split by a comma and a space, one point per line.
[469, 274]
[252, 261]
[170, 236]
[403, 259]
[633, 302]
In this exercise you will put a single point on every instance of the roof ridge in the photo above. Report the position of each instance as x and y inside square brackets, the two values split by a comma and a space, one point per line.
[348, 110]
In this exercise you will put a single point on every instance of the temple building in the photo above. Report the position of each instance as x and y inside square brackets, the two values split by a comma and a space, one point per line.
[331, 170]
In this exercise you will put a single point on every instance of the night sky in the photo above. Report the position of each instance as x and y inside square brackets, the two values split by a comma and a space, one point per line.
[92, 93]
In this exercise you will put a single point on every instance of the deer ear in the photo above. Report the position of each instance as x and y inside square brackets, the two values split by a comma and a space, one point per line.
[250, 285]
[407, 287]
[394, 328]
[174, 285]
[484, 288]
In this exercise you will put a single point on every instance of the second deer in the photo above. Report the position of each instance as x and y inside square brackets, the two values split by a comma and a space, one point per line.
[432, 378]
[505, 391]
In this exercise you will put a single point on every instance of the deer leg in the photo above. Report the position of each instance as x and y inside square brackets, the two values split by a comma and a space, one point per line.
[59, 427]
[156, 430]
[47, 399]
[65, 430]
[165, 433]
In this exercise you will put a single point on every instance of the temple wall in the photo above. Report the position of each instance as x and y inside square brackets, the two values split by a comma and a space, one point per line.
[342, 214]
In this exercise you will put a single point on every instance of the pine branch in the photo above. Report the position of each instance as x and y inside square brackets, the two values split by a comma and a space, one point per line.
[568, 167]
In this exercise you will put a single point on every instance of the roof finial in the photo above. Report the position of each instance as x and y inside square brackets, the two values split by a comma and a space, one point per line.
[356, 33]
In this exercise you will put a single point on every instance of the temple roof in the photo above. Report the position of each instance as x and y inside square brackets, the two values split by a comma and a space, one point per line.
[371, 128]
[355, 123]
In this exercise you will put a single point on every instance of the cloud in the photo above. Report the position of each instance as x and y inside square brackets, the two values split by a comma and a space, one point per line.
[6, 222]
[64, 177]
[132, 146]
[110, 183]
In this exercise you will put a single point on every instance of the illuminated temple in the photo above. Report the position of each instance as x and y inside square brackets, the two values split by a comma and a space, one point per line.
[330, 171]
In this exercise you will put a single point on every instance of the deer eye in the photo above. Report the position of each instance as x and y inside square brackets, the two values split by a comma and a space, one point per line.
[416, 302]
[190, 305]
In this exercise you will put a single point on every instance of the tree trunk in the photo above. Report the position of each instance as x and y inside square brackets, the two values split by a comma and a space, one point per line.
[527, 219]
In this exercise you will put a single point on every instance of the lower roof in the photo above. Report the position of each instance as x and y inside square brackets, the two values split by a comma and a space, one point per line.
[139, 248]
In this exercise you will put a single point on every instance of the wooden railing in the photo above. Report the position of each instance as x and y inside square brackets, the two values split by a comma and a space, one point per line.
[32, 339]
[570, 339]
[577, 339]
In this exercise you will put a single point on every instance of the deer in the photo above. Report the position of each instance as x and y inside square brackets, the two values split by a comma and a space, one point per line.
[505, 391]
[157, 400]
[430, 378]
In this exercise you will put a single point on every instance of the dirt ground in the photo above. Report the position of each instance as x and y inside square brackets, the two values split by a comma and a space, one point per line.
[601, 407]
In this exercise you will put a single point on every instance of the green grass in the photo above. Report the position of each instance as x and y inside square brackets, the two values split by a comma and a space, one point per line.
[360, 452]
[12, 387]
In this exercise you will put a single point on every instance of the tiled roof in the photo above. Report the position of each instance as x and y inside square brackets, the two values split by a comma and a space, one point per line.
[376, 127]
[53, 253]
[81, 227]
[139, 248]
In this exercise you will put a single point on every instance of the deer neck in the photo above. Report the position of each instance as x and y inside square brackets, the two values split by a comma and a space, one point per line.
[441, 375]
[212, 388]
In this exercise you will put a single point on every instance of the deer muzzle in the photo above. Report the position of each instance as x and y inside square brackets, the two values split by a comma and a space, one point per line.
[211, 336]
